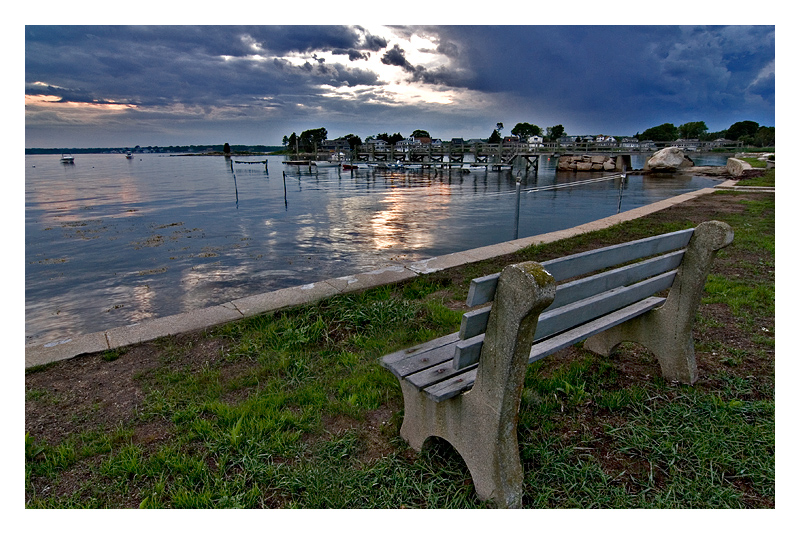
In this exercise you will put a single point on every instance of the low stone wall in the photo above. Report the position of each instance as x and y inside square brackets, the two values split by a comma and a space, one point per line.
[586, 162]
[737, 167]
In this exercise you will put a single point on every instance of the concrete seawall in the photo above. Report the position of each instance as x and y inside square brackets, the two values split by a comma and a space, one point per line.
[44, 353]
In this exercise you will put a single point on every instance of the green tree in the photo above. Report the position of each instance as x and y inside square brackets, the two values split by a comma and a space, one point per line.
[226, 148]
[391, 139]
[742, 129]
[692, 130]
[524, 130]
[495, 137]
[665, 132]
[420, 133]
[354, 140]
[310, 139]
[765, 136]
[554, 132]
[291, 142]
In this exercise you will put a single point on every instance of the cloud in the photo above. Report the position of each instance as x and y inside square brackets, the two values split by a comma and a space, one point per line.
[612, 79]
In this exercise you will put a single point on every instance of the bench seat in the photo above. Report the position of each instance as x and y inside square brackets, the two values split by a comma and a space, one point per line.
[429, 366]
[466, 387]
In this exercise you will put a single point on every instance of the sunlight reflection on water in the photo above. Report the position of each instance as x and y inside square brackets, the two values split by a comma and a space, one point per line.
[111, 241]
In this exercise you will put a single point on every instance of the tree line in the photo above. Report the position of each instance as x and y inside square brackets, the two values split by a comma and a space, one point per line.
[746, 132]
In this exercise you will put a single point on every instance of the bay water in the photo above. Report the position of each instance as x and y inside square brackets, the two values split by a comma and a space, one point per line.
[111, 241]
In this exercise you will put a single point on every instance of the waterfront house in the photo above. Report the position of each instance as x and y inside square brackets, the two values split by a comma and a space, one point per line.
[378, 144]
[606, 141]
[688, 145]
[647, 145]
[567, 140]
[630, 143]
[335, 145]
[535, 141]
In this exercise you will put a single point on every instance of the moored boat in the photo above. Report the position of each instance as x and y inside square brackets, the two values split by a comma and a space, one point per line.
[322, 163]
[67, 158]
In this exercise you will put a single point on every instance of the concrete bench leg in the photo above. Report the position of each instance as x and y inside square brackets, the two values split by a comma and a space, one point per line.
[667, 330]
[481, 424]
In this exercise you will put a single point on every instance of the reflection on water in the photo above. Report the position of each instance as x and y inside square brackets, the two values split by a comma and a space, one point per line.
[111, 241]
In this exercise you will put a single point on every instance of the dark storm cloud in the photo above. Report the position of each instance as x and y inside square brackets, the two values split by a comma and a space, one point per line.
[438, 76]
[593, 79]
[627, 72]
[162, 65]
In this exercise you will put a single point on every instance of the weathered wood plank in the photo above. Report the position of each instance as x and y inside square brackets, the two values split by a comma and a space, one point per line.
[474, 322]
[570, 292]
[468, 352]
[434, 375]
[587, 309]
[595, 260]
[481, 290]
[570, 337]
[454, 385]
[404, 362]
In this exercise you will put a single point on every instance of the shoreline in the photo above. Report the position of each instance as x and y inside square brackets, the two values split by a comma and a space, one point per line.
[37, 354]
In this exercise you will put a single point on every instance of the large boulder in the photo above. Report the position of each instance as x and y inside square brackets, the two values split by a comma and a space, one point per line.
[668, 160]
[737, 167]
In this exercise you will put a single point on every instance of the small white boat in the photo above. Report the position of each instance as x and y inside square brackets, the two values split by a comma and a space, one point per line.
[326, 163]
[128, 155]
[67, 158]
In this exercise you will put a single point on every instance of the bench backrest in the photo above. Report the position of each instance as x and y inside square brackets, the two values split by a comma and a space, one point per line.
[586, 297]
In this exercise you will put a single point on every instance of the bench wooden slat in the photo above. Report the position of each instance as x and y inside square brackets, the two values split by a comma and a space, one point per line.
[580, 333]
[482, 289]
[406, 361]
[576, 290]
[474, 322]
[579, 312]
[451, 387]
[435, 374]
[468, 352]
[595, 260]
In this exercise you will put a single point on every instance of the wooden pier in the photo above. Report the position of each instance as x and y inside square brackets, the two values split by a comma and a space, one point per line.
[489, 156]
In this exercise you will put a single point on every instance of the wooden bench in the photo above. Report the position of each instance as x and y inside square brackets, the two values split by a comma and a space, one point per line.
[466, 387]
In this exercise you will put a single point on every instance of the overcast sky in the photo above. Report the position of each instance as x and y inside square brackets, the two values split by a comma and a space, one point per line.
[99, 86]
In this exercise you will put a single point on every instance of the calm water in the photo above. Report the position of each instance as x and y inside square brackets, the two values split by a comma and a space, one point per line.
[111, 241]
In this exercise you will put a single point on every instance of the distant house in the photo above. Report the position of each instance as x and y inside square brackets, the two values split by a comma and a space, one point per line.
[605, 141]
[535, 141]
[647, 145]
[436, 142]
[721, 142]
[378, 144]
[335, 145]
[457, 142]
[687, 144]
[567, 140]
[631, 143]
[510, 139]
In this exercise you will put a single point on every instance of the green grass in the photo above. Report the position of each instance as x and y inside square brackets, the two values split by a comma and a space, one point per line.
[280, 419]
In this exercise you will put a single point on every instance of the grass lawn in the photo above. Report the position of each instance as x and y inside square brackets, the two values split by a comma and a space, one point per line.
[292, 410]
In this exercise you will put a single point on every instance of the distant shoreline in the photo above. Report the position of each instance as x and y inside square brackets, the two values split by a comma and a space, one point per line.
[194, 150]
